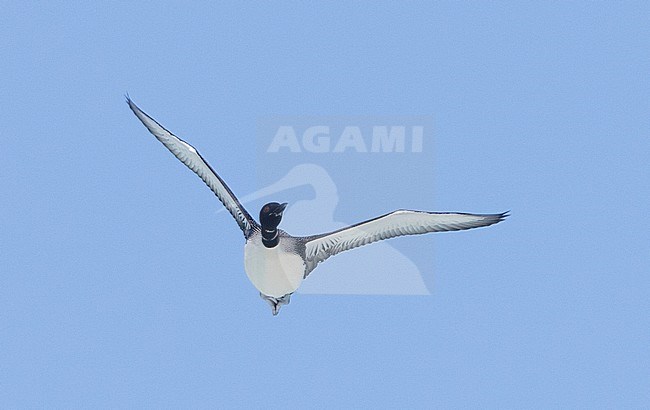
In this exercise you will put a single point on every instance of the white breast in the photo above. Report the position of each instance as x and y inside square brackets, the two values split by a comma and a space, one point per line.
[273, 271]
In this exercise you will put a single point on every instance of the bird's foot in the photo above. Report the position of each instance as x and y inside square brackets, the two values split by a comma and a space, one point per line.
[276, 303]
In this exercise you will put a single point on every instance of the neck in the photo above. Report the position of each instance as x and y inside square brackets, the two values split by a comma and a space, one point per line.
[270, 236]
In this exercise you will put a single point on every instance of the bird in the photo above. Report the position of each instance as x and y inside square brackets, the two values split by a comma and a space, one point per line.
[380, 269]
[276, 262]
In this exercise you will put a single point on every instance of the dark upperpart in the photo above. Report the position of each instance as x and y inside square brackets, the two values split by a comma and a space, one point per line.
[270, 217]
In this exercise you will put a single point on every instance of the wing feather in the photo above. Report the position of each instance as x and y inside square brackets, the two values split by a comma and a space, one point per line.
[189, 156]
[397, 223]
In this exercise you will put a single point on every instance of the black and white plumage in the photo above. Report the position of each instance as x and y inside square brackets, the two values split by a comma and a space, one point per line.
[275, 262]
[393, 224]
[194, 161]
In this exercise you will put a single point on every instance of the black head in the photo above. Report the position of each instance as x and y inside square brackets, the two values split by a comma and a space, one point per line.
[271, 214]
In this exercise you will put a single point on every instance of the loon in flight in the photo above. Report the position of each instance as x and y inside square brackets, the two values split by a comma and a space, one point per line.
[276, 262]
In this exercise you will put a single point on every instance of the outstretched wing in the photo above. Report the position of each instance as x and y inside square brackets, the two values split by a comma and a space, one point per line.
[189, 156]
[397, 223]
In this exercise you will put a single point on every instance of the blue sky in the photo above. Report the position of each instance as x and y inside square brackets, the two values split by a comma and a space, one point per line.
[122, 286]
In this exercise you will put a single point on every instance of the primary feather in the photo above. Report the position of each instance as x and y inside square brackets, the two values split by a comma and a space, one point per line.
[397, 223]
[189, 156]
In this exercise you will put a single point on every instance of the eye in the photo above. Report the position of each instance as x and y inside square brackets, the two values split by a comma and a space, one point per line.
[266, 209]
